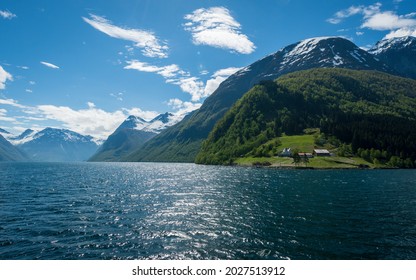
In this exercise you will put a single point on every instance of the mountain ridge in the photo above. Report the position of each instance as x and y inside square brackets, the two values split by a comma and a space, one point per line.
[54, 144]
[182, 142]
[131, 135]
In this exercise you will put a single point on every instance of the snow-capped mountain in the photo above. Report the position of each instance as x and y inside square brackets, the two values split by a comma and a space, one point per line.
[322, 52]
[133, 122]
[25, 136]
[398, 53]
[161, 122]
[52, 144]
[131, 135]
[155, 125]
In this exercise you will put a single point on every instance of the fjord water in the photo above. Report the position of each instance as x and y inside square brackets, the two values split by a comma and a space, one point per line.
[187, 211]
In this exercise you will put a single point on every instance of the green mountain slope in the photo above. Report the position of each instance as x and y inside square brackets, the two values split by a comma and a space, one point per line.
[366, 109]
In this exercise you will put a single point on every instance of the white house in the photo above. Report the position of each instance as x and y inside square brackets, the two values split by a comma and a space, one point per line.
[287, 152]
[321, 153]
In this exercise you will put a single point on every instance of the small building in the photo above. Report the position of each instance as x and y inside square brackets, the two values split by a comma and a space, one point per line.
[287, 152]
[308, 155]
[321, 153]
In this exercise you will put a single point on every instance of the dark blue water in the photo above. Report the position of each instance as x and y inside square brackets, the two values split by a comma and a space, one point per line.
[186, 211]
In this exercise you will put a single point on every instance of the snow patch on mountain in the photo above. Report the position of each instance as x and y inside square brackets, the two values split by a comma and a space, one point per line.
[155, 125]
[393, 43]
[27, 136]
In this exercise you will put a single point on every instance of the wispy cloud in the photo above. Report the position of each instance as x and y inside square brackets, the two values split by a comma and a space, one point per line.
[50, 65]
[218, 77]
[92, 120]
[7, 14]
[173, 75]
[402, 32]
[388, 21]
[4, 117]
[183, 107]
[118, 96]
[4, 77]
[376, 19]
[168, 71]
[366, 11]
[146, 40]
[217, 28]
[88, 121]
[12, 102]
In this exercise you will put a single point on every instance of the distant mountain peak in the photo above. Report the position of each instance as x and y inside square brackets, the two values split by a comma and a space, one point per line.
[163, 117]
[156, 125]
[2, 131]
[399, 53]
[397, 43]
[22, 138]
[55, 144]
[133, 122]
[326, 52]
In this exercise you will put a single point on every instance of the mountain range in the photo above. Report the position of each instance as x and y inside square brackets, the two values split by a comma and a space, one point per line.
[182, 142]
[51, 145]
[131, 135]
[172, 138]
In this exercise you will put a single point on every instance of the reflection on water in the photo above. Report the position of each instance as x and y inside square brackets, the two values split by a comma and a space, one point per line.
[186, 211]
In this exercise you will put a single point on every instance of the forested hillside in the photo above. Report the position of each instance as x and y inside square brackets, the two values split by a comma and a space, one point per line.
[361, 109]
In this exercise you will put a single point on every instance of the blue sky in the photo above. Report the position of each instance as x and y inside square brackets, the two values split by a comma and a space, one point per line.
[87, 65]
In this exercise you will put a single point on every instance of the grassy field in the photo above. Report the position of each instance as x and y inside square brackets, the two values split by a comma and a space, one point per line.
[305, 143]
[316, 162]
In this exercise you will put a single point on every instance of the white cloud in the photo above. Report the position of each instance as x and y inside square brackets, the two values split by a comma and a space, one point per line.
[183, 107]
[366, 11]
[29, 90]
[3, 116]
[7, 14]
[146, 115]
[145, 40]
[218, 78]
[216, 27]
[173, 75]
[50, 65]
[91, 121]
[375, 19]
[4, 77]
[168, 71]
[193, 86]
[12, 102]
[388, 21]
[402, 32]
[118, 96]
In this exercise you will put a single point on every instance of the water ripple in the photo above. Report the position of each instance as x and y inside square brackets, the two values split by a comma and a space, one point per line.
[186, 211]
